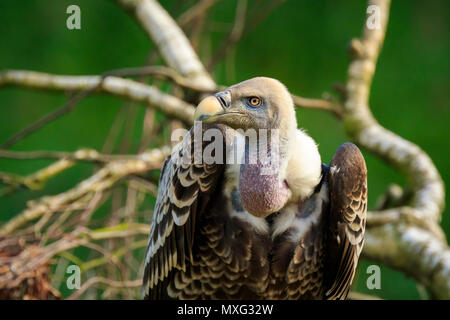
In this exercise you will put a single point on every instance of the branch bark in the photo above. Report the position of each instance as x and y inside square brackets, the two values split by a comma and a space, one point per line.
[170, 40]
[16, 268]
[36, 180]
[393, 236]
[100, 181]
[126, 88]
[413, 251]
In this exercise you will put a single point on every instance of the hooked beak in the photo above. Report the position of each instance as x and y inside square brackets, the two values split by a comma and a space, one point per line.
[208, 107]
[213, 109]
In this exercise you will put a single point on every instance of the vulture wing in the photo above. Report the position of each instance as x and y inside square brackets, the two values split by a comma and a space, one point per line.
[347, 219]
[184, 189]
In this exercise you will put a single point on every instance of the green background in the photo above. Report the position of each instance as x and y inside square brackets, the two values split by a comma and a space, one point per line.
[302, 43]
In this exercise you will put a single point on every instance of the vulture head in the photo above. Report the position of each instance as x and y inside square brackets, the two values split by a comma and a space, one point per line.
[258, 103]
[264, 103]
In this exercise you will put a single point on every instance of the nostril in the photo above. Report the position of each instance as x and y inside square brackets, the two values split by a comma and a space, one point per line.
[222, 101]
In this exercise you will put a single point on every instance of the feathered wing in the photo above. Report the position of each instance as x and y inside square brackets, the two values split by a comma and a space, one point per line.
[346, 220]
[184, 189]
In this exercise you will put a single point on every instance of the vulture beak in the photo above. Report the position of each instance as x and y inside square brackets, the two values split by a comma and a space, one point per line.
[213, 109]
[208, 107]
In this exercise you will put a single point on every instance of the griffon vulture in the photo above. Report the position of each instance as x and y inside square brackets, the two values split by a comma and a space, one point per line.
[230, 230]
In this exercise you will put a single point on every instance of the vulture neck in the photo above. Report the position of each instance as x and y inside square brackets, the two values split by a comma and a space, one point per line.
[262, 177]
[304, 167]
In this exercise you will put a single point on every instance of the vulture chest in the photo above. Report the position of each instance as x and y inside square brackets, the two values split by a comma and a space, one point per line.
[237, 256]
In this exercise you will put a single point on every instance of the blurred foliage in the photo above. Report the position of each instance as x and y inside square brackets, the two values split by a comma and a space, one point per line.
[302, 43]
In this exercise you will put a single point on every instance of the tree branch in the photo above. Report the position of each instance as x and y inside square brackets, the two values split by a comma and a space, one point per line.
[233, 37]
[17, 267]
[195, 11]
[100, 181]
[414, 251]
[36, 180]
[111, 283]
[421, 253]
[320, 104]
[423, 177]
[126, 88]
[170, 40]
[89, 155]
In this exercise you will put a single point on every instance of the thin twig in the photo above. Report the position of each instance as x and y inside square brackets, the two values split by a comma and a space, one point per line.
[88, 155]
[195, 11]
[234, 36]
[170, 40]
[104, 179]
[261, 15]
[321, 104]
[112, 283]
[36, 180]
[47, 118]
[126, 88]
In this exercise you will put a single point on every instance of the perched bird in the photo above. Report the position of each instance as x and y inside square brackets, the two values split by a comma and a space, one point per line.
[289, 228]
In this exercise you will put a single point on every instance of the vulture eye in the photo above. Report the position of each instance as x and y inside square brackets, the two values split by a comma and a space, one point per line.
[254, 101]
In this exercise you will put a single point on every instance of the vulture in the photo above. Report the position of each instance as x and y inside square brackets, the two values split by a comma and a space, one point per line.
[283, 226]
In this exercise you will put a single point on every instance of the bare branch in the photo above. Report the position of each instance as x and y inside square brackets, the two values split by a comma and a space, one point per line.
[423, 177]
[136, 91]
[89, 155]
[100, 181]
[36, 180]
[262, 14]
[170, 40]
[361, 296]
[111, 283]
[393, 236]
[414, 251]
[47, 118]
[321, 104]
[234, 36]
[125, 88]
[18, 267]
[195, 11]
[162, 72]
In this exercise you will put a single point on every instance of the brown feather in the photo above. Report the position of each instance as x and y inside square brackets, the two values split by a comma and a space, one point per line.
[348, 198]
